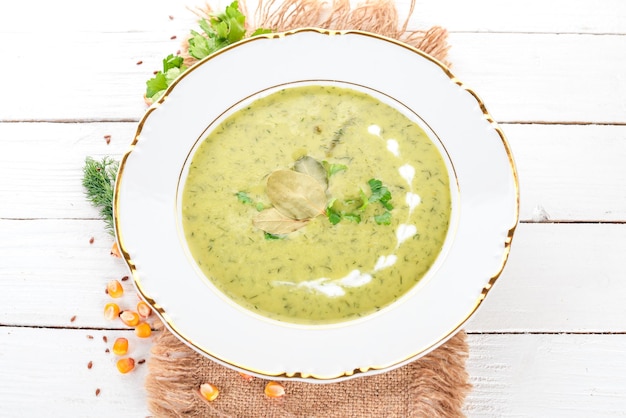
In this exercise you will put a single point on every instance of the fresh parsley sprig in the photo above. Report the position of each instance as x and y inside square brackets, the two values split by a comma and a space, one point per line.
[218, 31]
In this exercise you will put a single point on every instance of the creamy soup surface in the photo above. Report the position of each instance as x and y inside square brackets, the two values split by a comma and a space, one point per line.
[329, 269]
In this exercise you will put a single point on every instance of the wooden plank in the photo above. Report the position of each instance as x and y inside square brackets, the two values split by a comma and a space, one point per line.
[544, 78]
[521, 77]
[560, 277]
[547, 376]
[44, 373]
[570, 172]
[532, 16]
[41, 166]
[50, 273]
[105, 83]
[560, 168]
[77, 17]
[512, 375]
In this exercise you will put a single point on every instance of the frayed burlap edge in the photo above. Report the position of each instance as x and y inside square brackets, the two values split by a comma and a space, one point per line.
[376, 16]
[433, 386]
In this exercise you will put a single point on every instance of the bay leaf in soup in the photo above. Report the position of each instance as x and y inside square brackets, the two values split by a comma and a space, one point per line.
[296, 195]
[273, 222]
[312, 167]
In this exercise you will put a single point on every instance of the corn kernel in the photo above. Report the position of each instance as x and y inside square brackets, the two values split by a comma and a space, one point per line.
[111, 311]
[143, 309]
[120, 346]
[143, 330]
[115, 289]
[125, 365]
[209, 391]
[274, 390]
[115, 250]
[130, 318]
[246, 377]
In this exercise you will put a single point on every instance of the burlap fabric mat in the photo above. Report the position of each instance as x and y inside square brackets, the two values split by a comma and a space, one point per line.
[434, 386]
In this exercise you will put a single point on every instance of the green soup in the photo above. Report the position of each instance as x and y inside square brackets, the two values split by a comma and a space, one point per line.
[386, 211]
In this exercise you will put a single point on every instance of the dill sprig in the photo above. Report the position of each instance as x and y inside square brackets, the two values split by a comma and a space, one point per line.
[99, 182]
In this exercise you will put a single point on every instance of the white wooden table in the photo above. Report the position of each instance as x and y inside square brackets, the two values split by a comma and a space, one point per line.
[550, 340]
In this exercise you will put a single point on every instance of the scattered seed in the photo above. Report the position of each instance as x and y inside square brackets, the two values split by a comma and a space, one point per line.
[107, 138]
[98, 392]
[106, 350]
[171, 17]
[143, 309]
[155, 72]
[125, 365]
[72, 319]
[246, 377]
[142, 361]
[115, 289]
[90, 365]
[274, 390]
[90, 337]
[115, 250]
[143, 330]
[173, 37]
[139, 62]
[105, 339]
[130, 318]
[120, 346]
[209, 391]
[178, 52]
[91, 240]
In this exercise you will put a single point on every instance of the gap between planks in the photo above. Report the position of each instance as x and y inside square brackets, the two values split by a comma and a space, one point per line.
[524, 221]
[478, 333]
[136, 120]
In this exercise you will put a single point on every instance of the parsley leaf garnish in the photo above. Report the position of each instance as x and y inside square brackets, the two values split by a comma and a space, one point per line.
[334, 216]
[380, 194]
[247, 200]
[244, 198]
[332, 169]
[383, 219]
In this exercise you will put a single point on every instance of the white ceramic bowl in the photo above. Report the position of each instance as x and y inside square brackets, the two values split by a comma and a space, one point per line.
[485, 206]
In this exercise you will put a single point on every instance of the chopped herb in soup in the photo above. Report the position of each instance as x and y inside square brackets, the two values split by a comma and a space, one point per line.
[316, 204]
